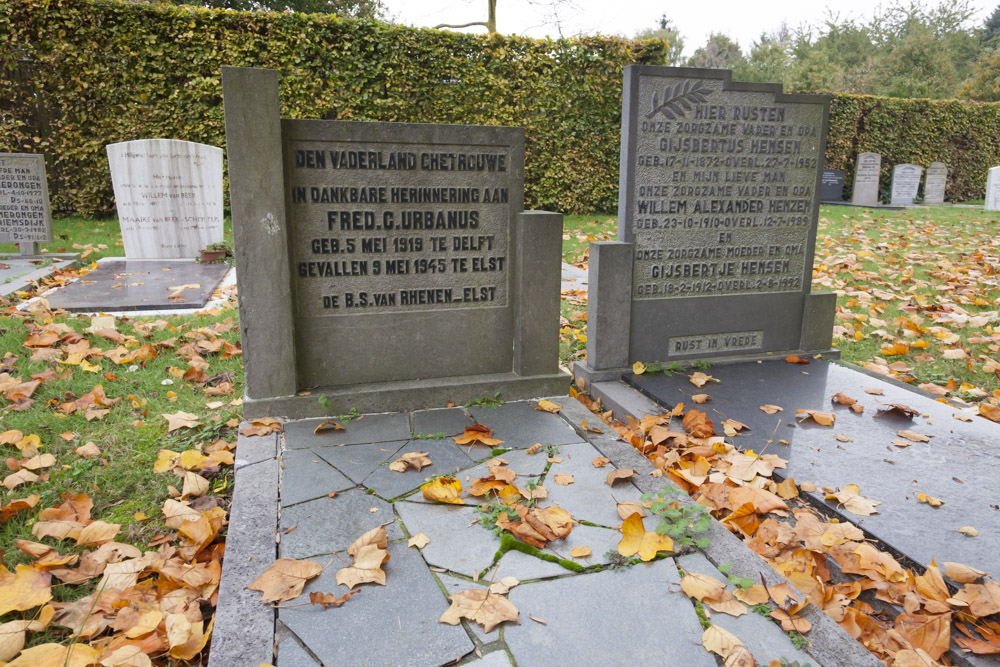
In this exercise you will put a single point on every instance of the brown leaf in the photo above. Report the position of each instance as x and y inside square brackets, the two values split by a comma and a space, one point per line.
[601, 461]
[479, 606]
[180, 419]
[419, 541]
[417, 460]
[477, 434]
[563, 479]
[698, 424]
[792, 359]
[330, 426]
[617, 474]
[991, 412]
[700, 379]
[285, 579]
[719, 641]
[913, 436]
[897, 409]
[327, 600]
[548, 406]
[843, 399]
[771, 409]
[963, 574]
[821, 418]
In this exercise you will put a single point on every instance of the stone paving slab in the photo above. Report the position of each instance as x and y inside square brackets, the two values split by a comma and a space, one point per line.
[291, 654]
[359, 461]
[447, 459]
[455, 544]
[450, 421]
[633, 616]
[521, 425]
[395, 624]
[965, 451]
[327, 525]
[495, 659]
[306, 476]
[371, 428]
[765, 639]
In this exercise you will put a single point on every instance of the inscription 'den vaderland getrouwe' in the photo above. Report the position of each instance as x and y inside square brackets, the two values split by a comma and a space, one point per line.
[387, 227]
[723, 190]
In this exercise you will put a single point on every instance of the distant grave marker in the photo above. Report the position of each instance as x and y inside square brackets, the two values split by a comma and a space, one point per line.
[934, 183]
[832, 187]
[905, 184]
[718, 205]
[993, 190]
[24, 200]
[385, 266]
[169, 196]
[866, 175]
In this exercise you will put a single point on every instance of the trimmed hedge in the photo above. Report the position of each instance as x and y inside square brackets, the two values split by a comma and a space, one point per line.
[83, 74]
[76, 75]
[963, 135]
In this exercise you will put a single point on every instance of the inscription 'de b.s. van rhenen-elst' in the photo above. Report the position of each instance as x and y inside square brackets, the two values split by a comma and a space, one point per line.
[723, 194]
[399, 228]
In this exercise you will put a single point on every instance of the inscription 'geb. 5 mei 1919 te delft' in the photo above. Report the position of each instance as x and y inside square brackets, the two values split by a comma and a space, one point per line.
[719, 193]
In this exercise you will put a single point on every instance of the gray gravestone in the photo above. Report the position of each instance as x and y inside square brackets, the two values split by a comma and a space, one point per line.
[385, 266]
[905, 184]
[934, 183]
[169, 196]
[832, 186]
[993, 190]
[866, 175]
[717, 216]
[24, 200]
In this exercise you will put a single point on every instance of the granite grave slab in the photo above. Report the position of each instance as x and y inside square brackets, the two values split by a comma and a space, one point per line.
[24, 200]
[138, 285]
[169, 196]
[935, 182]
[867, 170]
[333, 523]
[313, 477]
[405, 275]
[905, 184]
[720, 249]
[958, 463]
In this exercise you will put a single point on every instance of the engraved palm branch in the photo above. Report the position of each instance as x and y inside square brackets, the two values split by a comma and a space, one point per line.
[677, 99]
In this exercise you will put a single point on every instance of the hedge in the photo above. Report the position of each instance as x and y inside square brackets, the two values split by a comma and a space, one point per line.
[76, 75]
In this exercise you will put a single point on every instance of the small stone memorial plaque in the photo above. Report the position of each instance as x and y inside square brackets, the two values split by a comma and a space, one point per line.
[934, 183]
[385, 266]
[720, 186]
[866, 175]
[832, 188]
[24, 199]
[993, 190]
[905, 184]
[169, 196]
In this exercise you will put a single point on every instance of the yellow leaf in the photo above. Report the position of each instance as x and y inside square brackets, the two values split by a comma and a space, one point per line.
[28, 588]
[821, 418]
[56, 655]
[366, 569]
[146, 623]
[180, 419]
[563, 479]
[963, 574]
[930, 500]
[443, 490]
[548, 406]
[719, 641]
[580, 552]
[638, 368]
[479, 606]
[969, 531]
[129, 655]
[419, 541]
[416, 460]
[285, 579]
[771, 409]
[635, 540]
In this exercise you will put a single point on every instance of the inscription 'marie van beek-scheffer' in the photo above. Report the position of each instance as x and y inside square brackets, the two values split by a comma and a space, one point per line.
[384, 227]
[723, 191]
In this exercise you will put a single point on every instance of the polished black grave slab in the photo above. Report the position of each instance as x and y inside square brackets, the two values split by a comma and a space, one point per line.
[960, 464]
[136, 285]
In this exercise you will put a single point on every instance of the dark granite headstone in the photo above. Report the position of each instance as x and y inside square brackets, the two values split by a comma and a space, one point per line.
[137, 285]
[832, 186]
[717, 213]
[391, 263]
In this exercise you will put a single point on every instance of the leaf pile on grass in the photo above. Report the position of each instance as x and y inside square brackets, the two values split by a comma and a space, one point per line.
[917, 298]
[739, 490]
[118, 436]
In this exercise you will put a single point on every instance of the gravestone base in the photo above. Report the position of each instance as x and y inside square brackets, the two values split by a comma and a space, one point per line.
[19, 271]
[407, 395]
[118, 285]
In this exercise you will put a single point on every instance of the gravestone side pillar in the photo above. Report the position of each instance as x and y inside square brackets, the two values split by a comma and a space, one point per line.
[391, 263]
[260, 231]
[905, 184]
[718, 207]
[866, 176]
[169, 196]
[25, 217]
[993, 190]
[934, 183]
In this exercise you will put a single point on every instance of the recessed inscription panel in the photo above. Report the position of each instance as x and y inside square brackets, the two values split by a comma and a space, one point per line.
[24, 199]
[737, 341]
[392, 227]
[722, 192]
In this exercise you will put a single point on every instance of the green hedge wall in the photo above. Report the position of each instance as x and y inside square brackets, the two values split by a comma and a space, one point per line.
[82, 74]
[963, 135]
[76, 75]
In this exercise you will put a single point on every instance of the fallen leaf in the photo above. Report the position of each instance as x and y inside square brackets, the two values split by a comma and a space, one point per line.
[366, 569]
[913, 436]
[963, 574]
[417, 460]
[601, 461]
[564, 479]
[479, 606]
[285, 579]
[754, 595]
[477, 434]
[700, 379]
[700, 398]
[898, 409]
[627, 508]
[792, 359]
[991, 412]
[548, 406]
[854, 503]
[617, 474]
[327, 600]
[580, 552]
[443, 490]
[719, 641]
[503, 586]
[771, 409]
[534, 449]
[969, 531]
[930, 500]
[821, 418]
[419, 541]
[180, 419]
[88, 450]
[635, 540]
[26, 589]
[329, 427]
[638, 368]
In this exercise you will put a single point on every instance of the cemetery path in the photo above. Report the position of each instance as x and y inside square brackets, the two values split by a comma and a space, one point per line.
[578, 600]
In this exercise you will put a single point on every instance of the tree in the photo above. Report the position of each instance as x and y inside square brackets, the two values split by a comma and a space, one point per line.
[490, 23]
[362, 9]
[669, 34]
[989, 35]
[719, 52]
[769, 59]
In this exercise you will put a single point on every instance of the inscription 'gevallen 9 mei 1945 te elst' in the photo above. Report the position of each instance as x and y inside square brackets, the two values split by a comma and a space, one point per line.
[400, 229]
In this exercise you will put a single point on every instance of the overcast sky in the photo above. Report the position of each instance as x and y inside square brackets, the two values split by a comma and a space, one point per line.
[743, 20]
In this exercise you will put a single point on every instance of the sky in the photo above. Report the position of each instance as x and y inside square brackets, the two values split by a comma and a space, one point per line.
[742, 20]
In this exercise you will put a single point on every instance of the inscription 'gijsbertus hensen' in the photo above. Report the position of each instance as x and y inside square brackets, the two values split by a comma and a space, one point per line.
[383, 227]
[723, 190]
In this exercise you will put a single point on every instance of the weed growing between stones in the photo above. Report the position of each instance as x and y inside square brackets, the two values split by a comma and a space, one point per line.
[491, 402]
[683, 521]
